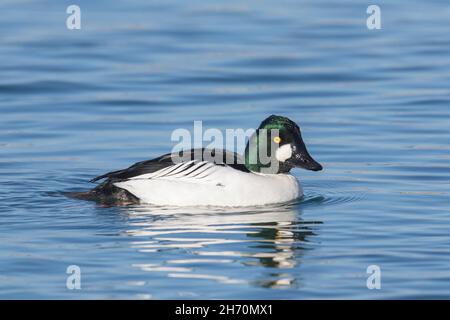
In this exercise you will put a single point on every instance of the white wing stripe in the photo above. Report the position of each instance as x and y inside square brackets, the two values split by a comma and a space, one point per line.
[186, 172]
[181, 169]
[206, 168]
[165, 171]
[193, 169]
[156, 173]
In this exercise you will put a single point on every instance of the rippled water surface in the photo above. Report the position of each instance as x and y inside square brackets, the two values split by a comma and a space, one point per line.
[374, 107]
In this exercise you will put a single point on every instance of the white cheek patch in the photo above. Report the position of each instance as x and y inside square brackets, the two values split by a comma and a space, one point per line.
[283, 153]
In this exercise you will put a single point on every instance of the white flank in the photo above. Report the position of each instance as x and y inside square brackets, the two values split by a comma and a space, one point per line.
[206, 184]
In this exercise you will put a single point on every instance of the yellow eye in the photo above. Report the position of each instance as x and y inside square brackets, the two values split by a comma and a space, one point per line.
[277, 139]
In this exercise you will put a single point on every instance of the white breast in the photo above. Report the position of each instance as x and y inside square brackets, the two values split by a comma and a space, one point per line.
[207, 184]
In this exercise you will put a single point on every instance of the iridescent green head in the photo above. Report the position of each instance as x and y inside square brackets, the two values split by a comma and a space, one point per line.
[277, 147]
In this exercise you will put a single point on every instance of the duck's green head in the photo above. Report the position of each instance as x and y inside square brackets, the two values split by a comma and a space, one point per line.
[277, 147]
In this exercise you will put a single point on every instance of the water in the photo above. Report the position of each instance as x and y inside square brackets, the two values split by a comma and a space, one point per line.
[373, 106]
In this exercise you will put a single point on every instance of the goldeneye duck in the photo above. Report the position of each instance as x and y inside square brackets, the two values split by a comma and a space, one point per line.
[214, 180]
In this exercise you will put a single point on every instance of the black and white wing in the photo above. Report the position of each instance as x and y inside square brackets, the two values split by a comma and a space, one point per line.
[195, 162]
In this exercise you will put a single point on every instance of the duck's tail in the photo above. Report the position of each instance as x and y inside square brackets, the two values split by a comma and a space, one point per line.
[106, 193]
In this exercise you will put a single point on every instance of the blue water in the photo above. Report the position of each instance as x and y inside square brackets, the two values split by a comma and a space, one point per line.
[374, 107]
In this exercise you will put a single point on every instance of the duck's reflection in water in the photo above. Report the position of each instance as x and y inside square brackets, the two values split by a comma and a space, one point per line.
[252, 245]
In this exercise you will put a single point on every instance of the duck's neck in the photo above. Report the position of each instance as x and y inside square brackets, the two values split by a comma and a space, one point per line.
[257, 160]
[250, 163]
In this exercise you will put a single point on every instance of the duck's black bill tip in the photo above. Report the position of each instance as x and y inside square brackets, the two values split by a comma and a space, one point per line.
[317, 167]
[305, 161]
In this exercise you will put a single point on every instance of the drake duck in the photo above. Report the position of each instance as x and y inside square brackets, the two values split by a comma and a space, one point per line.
[211, 177]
